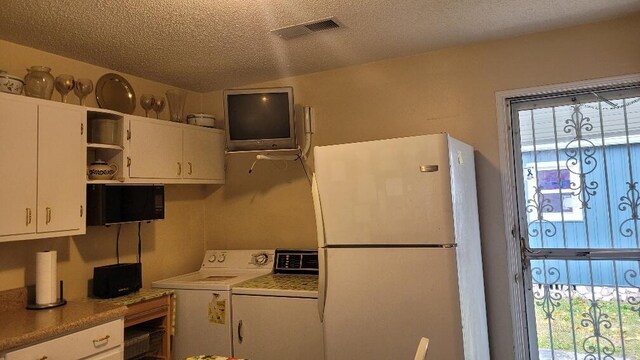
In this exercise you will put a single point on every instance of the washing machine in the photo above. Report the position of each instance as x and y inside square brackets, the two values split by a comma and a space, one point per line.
[203, 323]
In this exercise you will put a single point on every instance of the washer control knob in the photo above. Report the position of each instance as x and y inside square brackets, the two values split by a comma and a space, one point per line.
[260, 259]
[222, 257]
[212, 258]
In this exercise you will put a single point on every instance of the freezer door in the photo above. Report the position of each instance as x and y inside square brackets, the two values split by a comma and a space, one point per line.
[394, 191]
[379, 312]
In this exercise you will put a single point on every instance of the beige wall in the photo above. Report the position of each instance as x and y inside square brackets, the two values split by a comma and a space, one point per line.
[170, 247]
[15, 59]
[451, 90]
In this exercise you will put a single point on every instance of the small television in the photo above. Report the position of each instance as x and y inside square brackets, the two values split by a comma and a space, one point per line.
[259, 119]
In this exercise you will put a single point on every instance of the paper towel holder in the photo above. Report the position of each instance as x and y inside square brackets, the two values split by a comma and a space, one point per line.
[61, 301]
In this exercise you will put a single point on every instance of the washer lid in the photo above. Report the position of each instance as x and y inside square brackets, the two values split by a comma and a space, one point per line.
[207, 279]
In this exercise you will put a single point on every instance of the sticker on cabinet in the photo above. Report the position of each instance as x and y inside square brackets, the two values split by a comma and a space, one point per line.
[217, 310]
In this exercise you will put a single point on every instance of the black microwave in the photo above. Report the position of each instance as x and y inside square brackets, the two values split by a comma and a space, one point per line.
[118, 203]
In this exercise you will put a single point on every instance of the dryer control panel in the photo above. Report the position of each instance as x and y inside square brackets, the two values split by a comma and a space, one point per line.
[238, 259]
[296, 261]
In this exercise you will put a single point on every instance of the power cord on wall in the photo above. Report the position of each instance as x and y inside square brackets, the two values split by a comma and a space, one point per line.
[309, 129]
[118, 244]
[304, 168]
[139, 243]
[139, 257]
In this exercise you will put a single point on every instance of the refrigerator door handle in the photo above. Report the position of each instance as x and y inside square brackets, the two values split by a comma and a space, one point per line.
[318, 212]
[322, 281]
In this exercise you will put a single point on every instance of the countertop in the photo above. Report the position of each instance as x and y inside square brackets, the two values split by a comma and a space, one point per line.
[280, 285]
[21, 327]
[134, 298]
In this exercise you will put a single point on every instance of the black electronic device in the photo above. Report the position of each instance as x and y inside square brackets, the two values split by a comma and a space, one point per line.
[116, 280]
[259, 119]
[109, 204]
[296, 261]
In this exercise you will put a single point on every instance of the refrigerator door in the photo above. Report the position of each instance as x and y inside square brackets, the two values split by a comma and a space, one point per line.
[385, 192]
[381, 301]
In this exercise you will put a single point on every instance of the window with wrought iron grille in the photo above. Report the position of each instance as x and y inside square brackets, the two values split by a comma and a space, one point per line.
[577, 169]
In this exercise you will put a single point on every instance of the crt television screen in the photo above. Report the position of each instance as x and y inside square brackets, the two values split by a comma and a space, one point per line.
[258, 116]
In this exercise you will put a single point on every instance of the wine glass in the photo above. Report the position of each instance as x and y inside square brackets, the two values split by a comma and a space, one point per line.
[63, 84]
[158, 106]
[147, 101]
[83, 88]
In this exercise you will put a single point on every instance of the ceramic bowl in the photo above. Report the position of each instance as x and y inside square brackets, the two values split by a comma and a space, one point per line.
[11, 84]
[101, 170]
[201, 120]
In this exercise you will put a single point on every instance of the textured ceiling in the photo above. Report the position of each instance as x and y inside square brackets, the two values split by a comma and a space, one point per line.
[206, 45]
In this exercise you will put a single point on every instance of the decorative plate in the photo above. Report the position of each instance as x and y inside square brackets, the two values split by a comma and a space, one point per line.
[114, 92]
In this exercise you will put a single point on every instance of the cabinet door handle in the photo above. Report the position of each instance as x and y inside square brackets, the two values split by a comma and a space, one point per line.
[28, 217]
[48, 220]
[240, 337]
[190, 167]
[44, 358]
[102, 341]
[179, 168]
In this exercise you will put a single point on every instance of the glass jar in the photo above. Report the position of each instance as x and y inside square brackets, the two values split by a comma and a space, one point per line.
[176, 99]
[39, 82]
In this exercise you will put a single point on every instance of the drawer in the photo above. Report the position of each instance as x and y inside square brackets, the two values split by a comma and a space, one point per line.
[147, 310]
[76, 345]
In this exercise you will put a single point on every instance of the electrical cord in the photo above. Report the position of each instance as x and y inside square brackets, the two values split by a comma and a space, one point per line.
[139, 243]
[118, 244]
[304, 168]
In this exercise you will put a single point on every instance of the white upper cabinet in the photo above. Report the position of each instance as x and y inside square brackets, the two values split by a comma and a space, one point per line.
[18, 166]
[61, 170]
[43, 169]
[155, 150]
[203, 154]
[44, 158]
[165, 152]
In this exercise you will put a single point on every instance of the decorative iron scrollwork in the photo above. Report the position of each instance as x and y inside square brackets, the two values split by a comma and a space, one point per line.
[548, 301]
[597, 344]
[631, 201]
[634, 301]
[538, 205]
[581, 151]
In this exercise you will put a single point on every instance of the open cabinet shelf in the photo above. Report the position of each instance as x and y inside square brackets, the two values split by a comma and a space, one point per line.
[104, 146]
[105, 141]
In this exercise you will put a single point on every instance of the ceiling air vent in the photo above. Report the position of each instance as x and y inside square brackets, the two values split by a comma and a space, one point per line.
[290, 32]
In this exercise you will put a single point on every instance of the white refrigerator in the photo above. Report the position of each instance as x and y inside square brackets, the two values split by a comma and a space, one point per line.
[399, 249]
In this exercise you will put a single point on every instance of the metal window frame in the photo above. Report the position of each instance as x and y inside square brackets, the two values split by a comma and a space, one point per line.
[521, 330]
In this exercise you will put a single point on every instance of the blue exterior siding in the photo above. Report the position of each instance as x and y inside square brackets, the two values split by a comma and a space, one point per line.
[606, 223]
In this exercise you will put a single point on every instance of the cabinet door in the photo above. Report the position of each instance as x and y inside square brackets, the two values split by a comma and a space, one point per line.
[114, 354]
[19, 163]
[61, 168]
[275, 328]
[203, 154]
[155, 150]
[102, 340]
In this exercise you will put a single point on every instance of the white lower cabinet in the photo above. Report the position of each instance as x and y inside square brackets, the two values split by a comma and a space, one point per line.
[276, 328]
[104, 342]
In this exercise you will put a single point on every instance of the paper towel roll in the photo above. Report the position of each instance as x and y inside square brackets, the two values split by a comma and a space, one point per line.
[46, 277]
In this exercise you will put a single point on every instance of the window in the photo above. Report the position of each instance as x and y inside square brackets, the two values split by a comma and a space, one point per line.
[576, 169]
[557, 181]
